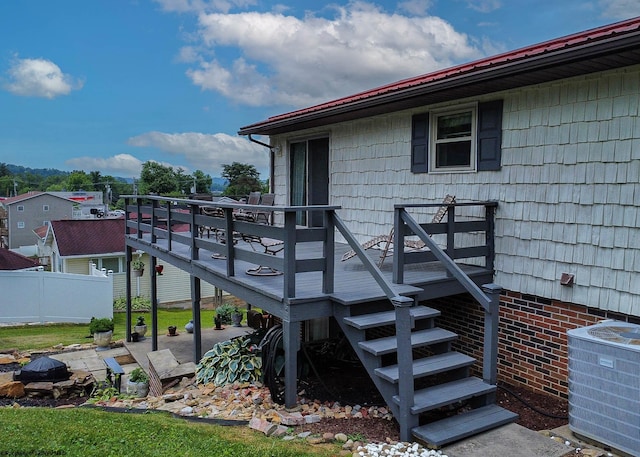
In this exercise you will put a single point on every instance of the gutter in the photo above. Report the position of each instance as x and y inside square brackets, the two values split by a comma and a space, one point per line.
[271, 160]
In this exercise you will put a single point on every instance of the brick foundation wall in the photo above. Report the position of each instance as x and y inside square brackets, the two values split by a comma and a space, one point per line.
[532, 345]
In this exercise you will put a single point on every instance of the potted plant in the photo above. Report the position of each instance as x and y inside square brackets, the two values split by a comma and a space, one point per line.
[138, 267]
[102, 331]
[140, 328]
[236, 317]
[172, 330]
[138, 383]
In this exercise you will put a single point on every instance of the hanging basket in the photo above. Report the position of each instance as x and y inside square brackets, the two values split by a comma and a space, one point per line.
[138, 273]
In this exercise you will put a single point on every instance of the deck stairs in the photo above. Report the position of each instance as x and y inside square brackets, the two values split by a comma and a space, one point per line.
[447, 403]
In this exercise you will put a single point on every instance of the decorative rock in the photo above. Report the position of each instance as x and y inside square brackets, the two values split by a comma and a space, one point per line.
[280, 430]
[328, 437]
[187, 410]
[264, 426]
[39, 388]
[312, 419]
[12, 389]
[315, 440]
[290, 418]
[341, 437]
[304, 435]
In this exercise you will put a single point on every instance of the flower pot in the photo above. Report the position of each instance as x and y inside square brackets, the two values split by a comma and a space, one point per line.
[137, 273]
[141, 330]
[236, 318]
[102, 340]
[135, 337]
[218, 321]
[139, 389]
[172, 330]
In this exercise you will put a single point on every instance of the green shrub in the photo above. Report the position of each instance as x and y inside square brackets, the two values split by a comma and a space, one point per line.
[138, 375]
[137, 304]
[102, 324]
[228, 362]
[225, 311]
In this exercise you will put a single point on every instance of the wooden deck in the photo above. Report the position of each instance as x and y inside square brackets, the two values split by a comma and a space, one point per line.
[313, 278]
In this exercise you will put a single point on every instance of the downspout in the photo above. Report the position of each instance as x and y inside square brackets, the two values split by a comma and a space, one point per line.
[271, 160]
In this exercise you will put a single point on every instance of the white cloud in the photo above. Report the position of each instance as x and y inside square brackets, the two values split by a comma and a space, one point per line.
[484, 6]
[206, 152]
[39, 78]
[186, 6]
[288, 60]
[124, 165]
[620, 9]
[417, 7]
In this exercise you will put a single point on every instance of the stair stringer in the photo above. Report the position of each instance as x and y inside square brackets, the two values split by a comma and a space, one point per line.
[369, 361]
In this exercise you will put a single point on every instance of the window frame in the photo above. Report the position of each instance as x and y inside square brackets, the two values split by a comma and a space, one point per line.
[20, 225]
[472, 138]
[488, 141]
[45, 208]
[20, 208]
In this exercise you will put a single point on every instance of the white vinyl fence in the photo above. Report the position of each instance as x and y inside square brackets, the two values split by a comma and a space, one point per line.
[40, 296]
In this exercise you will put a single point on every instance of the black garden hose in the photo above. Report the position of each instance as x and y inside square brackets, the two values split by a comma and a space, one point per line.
[530, 406]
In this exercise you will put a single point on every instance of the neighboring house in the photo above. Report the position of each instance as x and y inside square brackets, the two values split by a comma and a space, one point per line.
[27, 211]
[550, 132]
[12, 261]
[20, 215]
[70, 245]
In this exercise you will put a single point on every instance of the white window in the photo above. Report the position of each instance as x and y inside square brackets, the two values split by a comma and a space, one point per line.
[20, 225]
[109, 263]
[45, 207]
[453, 140]
[20, 208]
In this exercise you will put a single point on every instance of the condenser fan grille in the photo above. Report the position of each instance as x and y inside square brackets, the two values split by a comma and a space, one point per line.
[622, 335]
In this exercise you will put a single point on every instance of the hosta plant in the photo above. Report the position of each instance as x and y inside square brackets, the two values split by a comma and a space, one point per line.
[228, 362]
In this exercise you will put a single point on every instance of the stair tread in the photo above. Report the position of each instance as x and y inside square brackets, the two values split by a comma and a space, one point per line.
[372, 320]
[448, 393]
[428, 366]
[419, 338]
[463, 425]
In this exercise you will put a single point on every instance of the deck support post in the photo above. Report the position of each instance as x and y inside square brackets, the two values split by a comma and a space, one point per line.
[405, 365]
[291, 344]
[154, 303]
[196, 296]
[128, 293]
[491, 322]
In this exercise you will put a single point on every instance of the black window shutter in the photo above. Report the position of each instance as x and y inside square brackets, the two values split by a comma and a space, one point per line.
[420, 143]
[489, 135]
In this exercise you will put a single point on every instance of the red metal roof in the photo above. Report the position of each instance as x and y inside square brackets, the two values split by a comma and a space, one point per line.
[10, 260]
[528, 53]
[89, 236]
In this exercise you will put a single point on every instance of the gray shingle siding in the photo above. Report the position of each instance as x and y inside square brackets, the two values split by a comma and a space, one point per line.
[568, 190]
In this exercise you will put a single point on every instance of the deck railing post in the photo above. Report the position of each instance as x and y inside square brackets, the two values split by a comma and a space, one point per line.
[490, 213]
[398, 235]
[169, 237]
[405, 364]
[194, 231]
[328, 252]
[289, 279]
[154, 220]
[128, 291]
[491, 322]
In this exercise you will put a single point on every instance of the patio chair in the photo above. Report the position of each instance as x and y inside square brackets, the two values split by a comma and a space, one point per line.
[270, 246]
[413, 245]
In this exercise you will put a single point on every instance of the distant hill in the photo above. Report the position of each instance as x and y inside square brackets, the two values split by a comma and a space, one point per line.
[18, 170]
[217, 183]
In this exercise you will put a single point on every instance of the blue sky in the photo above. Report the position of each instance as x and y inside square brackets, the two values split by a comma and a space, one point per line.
[109, 84]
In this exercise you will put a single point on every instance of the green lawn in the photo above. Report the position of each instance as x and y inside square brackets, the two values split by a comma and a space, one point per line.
[93, 432]
[46, 336]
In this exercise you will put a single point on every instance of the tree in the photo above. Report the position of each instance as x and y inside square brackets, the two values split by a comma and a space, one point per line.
[243, 179]
[157, 179]
[79, 180]
[203, 182]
